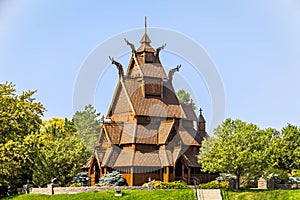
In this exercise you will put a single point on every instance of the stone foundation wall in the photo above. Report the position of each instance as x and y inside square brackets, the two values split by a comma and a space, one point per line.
[47, 190]
[74, 190]
[287, 186]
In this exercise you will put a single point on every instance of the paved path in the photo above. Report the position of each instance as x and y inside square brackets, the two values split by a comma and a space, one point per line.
[209, 194]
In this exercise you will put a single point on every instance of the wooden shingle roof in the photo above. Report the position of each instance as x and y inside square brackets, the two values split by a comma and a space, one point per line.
[191, 158]
[189, 112]
[168, 106]
[146, 159]
[153, 70]
[188, 135]
[164, 131]
[114, 131]
[158, 158]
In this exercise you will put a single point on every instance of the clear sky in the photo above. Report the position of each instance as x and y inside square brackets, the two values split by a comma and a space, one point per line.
[254, 45]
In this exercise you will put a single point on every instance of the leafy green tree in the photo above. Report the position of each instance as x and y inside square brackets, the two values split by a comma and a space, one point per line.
[61, 154]
[185, 98]
[20, 120]
[88, 125]
[237, 148]
[288, 148]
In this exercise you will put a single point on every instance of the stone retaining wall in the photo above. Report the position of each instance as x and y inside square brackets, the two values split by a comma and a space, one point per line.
[74, 190]
[287, 186]
[47, 190]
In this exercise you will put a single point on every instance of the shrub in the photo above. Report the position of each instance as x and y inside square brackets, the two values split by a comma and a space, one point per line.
[281, 175]
[225, 177]
[75, 185]
[167, 185]
[112, 179]
[82, 178]
[214, 185]
[295, 173]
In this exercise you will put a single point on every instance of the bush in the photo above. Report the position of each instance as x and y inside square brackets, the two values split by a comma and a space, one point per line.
[167, 185]
[214, 185]
[281, 175]
[225, 177]
[249, 181]
[112, 179]
[82, 178]
[75, 185]
[295, 173]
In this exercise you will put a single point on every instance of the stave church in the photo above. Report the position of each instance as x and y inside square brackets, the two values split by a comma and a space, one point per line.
[148, 133]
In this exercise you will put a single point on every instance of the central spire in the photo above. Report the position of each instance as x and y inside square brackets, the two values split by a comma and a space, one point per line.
[145, 24]
[145, 40]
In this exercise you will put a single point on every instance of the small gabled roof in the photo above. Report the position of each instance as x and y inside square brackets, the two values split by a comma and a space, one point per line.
[121, 101]
[87, 163]
[189, 112]
[191, 158]
[188, 136]
[114, 131]
[164, 131]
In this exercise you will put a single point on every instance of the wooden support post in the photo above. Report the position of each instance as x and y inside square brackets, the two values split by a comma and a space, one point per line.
[161, 174]
[167, 174]
[131, 177]
[189, 176]
[182, 171]
[174, 173]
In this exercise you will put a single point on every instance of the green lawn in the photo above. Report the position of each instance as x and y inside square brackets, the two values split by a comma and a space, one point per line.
[187, 194]
[255, 194]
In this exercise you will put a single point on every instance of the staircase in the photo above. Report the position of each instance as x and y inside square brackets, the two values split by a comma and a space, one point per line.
[209, 194]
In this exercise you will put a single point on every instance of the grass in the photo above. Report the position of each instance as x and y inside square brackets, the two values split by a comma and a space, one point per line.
[255, 194]
[187, 194]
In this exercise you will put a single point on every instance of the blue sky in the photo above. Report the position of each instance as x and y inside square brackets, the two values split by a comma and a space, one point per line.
[255, 46]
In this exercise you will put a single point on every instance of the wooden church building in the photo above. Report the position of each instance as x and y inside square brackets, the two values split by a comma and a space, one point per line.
[148, 132]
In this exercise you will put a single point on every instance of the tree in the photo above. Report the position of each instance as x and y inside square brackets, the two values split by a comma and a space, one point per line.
[237, 148]
[185, 98]
[20, 120]
[87, 123]
[288, 148]
[61, 154]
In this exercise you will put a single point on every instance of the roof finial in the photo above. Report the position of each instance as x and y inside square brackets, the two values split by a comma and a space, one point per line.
[145, 24]
[200, 111]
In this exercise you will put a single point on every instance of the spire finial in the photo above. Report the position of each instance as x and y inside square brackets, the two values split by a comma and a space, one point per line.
[200, 111]
[145, 24]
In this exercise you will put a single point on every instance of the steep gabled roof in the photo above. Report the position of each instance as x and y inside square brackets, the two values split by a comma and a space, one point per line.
[121, 102]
